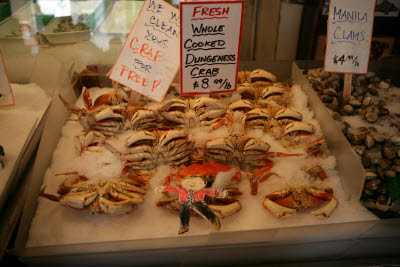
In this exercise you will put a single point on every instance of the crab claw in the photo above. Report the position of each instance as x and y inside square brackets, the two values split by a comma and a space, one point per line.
[243, 87]
[143, 116]
[107, 113]
[176, 104]
[261, 77]
[78, 200]
[222, 211]
[168, 136]
[219, 143]
[272, 91]
[241, 105]
[260, 113]
[298, 126]
[117, 207]
[288, 113]
[256, 144]
[206, 104]
[277, 210]
[327, 210]
[142, 136]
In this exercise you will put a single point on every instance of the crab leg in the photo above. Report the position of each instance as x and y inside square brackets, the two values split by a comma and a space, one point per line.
[259, 176]
[327, 210]
[277, 210]
[69, 105]
[140, 136]
[124, 187]
[222, 211]
[111, 207]
[86, 97]
[78, 200]
[323, 194]
[48, 196]
[126, 195]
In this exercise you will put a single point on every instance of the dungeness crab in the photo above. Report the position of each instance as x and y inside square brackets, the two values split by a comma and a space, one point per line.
[259, 87]
[290, 200]
[250, 154]
[192, 113]
[112, 197]
[92, 141]
[147, 150]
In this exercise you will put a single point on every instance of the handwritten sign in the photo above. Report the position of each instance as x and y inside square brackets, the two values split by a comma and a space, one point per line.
[6, 95]
[349, 35]
[149, 58]
[210, 44]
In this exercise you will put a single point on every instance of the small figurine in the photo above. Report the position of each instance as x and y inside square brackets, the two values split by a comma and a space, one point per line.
[1, 156]
[191, 196]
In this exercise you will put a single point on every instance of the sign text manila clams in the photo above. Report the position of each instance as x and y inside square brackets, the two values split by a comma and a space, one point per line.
[6, 95]
[349, 35]
[210, 44]
[149, 58]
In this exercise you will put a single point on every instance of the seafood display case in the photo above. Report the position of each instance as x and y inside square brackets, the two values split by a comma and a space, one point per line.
[131, 239]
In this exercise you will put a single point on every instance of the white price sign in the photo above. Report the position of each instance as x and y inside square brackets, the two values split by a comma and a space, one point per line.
[6, 95]
[210, 45]
[149, 58]
[349, 35]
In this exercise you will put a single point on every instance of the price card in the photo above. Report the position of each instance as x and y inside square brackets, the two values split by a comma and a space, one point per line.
[349, 35]
[149, 58]
[210, 45]
[6, 95]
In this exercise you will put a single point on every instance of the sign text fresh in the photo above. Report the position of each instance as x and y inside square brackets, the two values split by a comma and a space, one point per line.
[210, 43]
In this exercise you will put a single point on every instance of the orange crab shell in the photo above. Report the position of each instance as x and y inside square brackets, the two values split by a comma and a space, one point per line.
[201, 169]
[290, 201]
[295, 201]
[112, 98]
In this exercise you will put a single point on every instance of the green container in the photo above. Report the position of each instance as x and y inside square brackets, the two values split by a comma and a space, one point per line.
[5, 10]
[43, 20]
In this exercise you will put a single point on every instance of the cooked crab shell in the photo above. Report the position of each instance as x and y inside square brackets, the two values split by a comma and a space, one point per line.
[299, 127]
[288, 113]
[272, 91]
[261, 77]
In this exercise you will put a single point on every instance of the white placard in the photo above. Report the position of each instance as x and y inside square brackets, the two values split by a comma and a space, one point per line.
[210, 45]
[349, 35]
[149, 58]
[6, 95]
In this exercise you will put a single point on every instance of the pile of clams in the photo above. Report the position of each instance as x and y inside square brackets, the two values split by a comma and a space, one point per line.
[371, 123]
